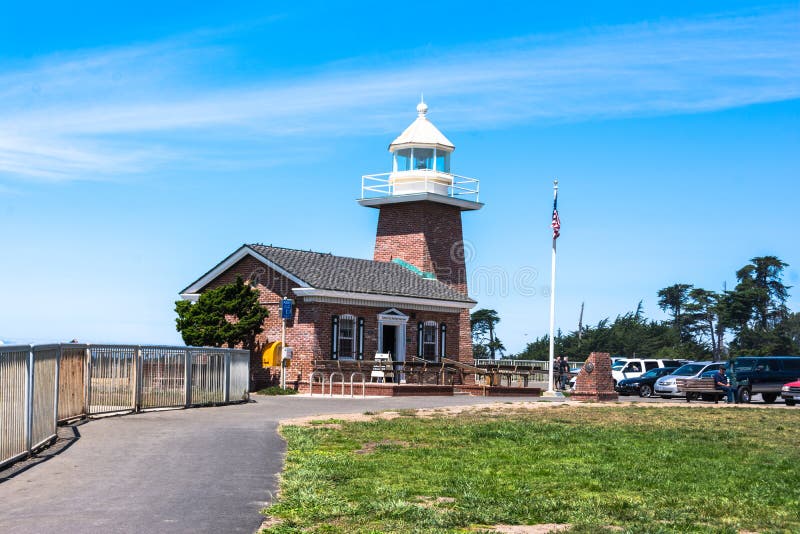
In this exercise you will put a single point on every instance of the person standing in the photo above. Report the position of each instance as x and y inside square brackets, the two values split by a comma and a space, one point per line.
[557, 373]
[563, 372]
[721, 382]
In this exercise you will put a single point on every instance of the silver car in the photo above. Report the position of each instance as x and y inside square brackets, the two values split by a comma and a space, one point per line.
[667, 386]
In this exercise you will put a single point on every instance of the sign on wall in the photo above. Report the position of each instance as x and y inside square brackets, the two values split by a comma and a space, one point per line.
[287, 308]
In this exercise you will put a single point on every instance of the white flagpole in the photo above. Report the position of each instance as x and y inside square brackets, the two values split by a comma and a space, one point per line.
[552, 301]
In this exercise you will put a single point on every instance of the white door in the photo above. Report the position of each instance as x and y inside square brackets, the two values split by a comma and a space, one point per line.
[393, 323]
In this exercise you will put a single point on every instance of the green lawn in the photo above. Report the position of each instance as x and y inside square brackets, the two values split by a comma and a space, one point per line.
[644, 469]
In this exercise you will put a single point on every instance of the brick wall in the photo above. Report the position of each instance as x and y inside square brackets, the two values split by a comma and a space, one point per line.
[427, 235]
[309, 331]
[311, 335]
[465, 343]
[272, 287]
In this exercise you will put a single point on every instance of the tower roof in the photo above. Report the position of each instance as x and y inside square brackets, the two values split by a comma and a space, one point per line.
[423, 133]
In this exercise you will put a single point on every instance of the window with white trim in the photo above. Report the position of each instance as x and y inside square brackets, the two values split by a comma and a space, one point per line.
[347, 337]
[429, 332]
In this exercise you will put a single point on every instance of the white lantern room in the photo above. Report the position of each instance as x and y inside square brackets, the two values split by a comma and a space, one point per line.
[421, 158]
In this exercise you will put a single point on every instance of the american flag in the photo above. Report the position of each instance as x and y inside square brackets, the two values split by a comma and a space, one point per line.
[556, 224]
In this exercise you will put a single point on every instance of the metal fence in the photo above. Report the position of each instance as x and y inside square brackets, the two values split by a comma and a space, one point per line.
[543, 365]
[44, 384]
[14, 406]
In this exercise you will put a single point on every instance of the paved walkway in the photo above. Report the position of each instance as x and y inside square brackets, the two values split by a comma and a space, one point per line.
[199, 470]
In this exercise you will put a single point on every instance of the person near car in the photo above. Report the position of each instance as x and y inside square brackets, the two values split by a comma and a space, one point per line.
[721, 382]
[563, 371]
[557, 372]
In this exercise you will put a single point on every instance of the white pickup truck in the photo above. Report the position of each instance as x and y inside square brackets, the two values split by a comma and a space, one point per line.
[636, 367]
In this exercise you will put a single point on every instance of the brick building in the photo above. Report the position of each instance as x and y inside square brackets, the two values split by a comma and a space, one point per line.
[410, 300]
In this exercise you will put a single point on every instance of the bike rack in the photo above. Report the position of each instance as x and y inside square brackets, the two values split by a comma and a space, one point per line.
[363, 384]
[311, 383]
[331, 382]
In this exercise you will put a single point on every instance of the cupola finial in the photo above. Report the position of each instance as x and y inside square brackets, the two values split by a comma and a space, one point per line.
[422, 107]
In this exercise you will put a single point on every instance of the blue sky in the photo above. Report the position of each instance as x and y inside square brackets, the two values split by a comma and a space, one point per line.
[140, 145]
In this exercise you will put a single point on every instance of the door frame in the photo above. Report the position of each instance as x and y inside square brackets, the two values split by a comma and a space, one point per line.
[394, 317]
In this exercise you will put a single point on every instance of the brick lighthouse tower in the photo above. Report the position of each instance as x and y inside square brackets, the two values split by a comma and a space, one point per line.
[420, 205]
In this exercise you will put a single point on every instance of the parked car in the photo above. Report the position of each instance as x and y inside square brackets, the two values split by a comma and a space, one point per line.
[667, 386]
[624, 368]
[642, 385]
[635, 367]
[615, 361]
[765, 375]
[790, 393]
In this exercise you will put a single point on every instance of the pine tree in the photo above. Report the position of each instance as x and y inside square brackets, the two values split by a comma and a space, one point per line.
[228, 315]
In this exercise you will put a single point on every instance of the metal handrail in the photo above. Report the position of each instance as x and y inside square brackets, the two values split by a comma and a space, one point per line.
[460, 186]
[543, 364]
[363, 384]
[463, 366]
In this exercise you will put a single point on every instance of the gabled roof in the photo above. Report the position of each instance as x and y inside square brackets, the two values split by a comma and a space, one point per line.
[422, 132]
[320, 271]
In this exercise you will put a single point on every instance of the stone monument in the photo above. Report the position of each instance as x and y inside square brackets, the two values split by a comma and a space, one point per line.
[594, 381]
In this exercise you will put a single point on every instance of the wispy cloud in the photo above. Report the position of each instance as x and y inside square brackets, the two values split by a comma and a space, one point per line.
[106, 113]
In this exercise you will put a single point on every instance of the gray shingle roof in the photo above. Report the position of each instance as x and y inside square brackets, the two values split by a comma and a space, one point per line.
[338, 273]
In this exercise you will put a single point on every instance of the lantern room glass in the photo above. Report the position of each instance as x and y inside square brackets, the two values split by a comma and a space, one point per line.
[443, 161]
[402, 159]
[410, 159]
[423, 158]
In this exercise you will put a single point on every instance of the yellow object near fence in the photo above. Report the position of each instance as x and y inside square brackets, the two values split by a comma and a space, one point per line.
[271, 357]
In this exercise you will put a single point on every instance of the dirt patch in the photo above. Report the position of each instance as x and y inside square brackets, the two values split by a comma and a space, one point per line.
[270, 522]
[369, 448]
[423, 413]
[344, 417]
[431, 502]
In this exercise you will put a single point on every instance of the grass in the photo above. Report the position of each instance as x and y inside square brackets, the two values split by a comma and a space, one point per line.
[276, 390]
[636, 468]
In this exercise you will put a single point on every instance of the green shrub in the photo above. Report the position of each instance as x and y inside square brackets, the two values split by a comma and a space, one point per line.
[276, 390]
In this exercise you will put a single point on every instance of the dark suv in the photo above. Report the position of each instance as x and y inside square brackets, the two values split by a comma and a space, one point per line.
[765, 375]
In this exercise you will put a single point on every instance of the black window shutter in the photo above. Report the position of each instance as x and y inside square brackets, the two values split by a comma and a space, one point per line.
[420, 334]
[335, 337]
[442, 340]
[360, 338]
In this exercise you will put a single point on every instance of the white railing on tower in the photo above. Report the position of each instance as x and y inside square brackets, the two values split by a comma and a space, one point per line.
[382, 185]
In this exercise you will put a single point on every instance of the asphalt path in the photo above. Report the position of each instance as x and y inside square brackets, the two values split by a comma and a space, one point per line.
[198, 470]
